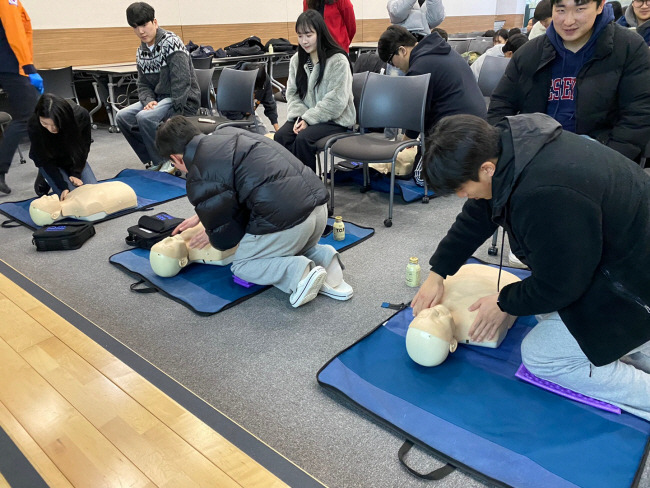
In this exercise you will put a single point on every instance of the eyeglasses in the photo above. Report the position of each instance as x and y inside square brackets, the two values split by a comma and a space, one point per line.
[639, 3]
[390, 60]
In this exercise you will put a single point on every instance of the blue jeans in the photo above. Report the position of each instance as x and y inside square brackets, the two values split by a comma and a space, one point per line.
[87, 176]
[139, 128]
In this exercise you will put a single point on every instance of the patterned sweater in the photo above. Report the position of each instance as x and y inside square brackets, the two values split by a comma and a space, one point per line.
[166, 71]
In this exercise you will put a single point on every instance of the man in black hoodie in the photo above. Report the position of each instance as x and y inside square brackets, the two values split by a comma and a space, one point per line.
[587, 72]
[452, 86]
[579, 214]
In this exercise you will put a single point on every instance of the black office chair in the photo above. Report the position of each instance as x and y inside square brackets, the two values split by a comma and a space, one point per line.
[235, 93]
[386, 101]
[645, 156]
[491, 73]
[204, 78]
[5, 119]
[202, 63]
[459, 45]
[480, 44]
[59, 82]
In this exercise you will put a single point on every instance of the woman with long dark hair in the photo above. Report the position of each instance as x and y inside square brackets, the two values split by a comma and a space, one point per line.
[339, 19]
[319, 90]
[59, 132]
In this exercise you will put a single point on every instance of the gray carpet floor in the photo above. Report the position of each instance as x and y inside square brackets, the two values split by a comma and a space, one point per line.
[257, 362]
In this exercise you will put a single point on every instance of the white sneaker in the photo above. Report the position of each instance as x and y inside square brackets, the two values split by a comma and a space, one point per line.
[512, 259]
[167, 167]
[308, 287]
[151, 167]
[341, 292]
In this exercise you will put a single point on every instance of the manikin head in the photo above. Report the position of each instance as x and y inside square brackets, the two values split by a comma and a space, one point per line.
[430, 337]
[169, 256]
[45, 210]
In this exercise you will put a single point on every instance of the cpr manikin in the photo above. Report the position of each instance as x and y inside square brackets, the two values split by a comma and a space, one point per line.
[436, 331]
[172, 254]
[86, 202]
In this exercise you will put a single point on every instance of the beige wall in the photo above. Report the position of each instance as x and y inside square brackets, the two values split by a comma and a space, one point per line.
[82, 32]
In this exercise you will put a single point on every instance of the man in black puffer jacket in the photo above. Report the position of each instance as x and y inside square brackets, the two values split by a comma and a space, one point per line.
[587, 72]
[250, 191]
[578, 213]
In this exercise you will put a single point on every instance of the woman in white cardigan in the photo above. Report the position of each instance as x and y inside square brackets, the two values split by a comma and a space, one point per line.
[319, 90]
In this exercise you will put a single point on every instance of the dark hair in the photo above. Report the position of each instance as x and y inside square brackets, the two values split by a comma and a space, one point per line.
[502, 33]
[513, 31]
[618, 9]
[579, 2]
[319, 4]
[392, 38]
[173, 135]
[326, 46]
[514, 42]
[543, 10]
[442, 32]
[455, 150]
[489, 33]
[58, 109]
[139, 13]
[261, 78]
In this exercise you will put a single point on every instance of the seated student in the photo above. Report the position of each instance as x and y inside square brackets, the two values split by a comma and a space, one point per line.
[543, 16]
[319, 90]
[250, 191]
[617, 8]
[513, 43]
[587, 72]
[637, 16]
[452, 87]
[59, 133]
[513, 31]
[500, 37]
[263, 95]
[167, 85]
[489, 33]
[441, 32]
[559, 196]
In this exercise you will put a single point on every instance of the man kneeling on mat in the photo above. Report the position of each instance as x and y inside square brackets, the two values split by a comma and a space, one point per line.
[578, 214]
[249, 190]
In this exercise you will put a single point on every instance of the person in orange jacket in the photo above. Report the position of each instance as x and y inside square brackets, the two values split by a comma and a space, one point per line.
[18, 77]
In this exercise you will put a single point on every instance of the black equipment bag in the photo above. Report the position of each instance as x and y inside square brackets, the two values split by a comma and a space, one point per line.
[62, 236]
[249, 46]
[280, 45]
[151, 229]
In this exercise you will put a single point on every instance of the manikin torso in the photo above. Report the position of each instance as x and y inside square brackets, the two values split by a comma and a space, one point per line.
[87, 202]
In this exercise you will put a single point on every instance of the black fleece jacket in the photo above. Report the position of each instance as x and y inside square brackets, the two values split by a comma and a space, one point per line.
[578, 214]
[244, 183]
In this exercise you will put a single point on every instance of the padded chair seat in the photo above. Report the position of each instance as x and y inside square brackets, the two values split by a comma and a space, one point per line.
[5, 118]
[367, 147]
[209, 128]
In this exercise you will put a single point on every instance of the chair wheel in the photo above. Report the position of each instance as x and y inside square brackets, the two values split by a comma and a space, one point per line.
[112, 129]
[388, 222]
[425, 199]
[94, 126]
[493, 251]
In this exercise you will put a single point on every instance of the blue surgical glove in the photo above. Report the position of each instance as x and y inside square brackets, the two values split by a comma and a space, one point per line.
[36, 80]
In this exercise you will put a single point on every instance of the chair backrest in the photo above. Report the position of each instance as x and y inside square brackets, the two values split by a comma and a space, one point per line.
[394, 101]
[358, 84]
[59, 82]
[480, 44]
[202, 63]
[459, 45]
[236, 90]
[204, 78]
[491, 73]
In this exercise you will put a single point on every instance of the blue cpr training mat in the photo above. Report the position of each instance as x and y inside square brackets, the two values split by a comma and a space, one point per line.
[409, 190]
[473, 412]
[151, 187]
[208, 289]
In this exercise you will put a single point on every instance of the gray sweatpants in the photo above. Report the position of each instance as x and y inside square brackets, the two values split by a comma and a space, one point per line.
[281, 258]
[550, 352]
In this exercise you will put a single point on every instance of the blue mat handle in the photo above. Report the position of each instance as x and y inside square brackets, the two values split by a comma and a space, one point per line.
[149, 289]
[394, 306]
[10, 224]
[435, 475]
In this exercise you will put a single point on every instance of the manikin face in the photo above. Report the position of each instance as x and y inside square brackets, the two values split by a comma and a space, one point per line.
[574, 23]
[147, 32]
[641, 10]
[308, 40]
[49, 125]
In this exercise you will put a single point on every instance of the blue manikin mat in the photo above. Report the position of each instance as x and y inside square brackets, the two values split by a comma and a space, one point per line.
[151, 187]
[474, 413]
[379, 182]
[207, 289]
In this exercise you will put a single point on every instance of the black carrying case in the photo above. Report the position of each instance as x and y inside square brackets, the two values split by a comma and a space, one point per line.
[151, 229]
[62, 236]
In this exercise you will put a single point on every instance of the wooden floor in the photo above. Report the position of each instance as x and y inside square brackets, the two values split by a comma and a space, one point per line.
[83, 418]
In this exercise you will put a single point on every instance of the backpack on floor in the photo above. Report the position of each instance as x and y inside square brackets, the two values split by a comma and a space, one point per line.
[62, 236]
[151, 229]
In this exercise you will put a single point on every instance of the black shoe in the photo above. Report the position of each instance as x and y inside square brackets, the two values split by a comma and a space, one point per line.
[41, 186]
[4, 188]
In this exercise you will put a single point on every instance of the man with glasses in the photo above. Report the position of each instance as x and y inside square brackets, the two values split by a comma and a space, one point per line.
[638, 17]
[452, 86]
[587, 72]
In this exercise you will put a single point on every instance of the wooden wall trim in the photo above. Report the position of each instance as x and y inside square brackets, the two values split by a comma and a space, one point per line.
[56, 48]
